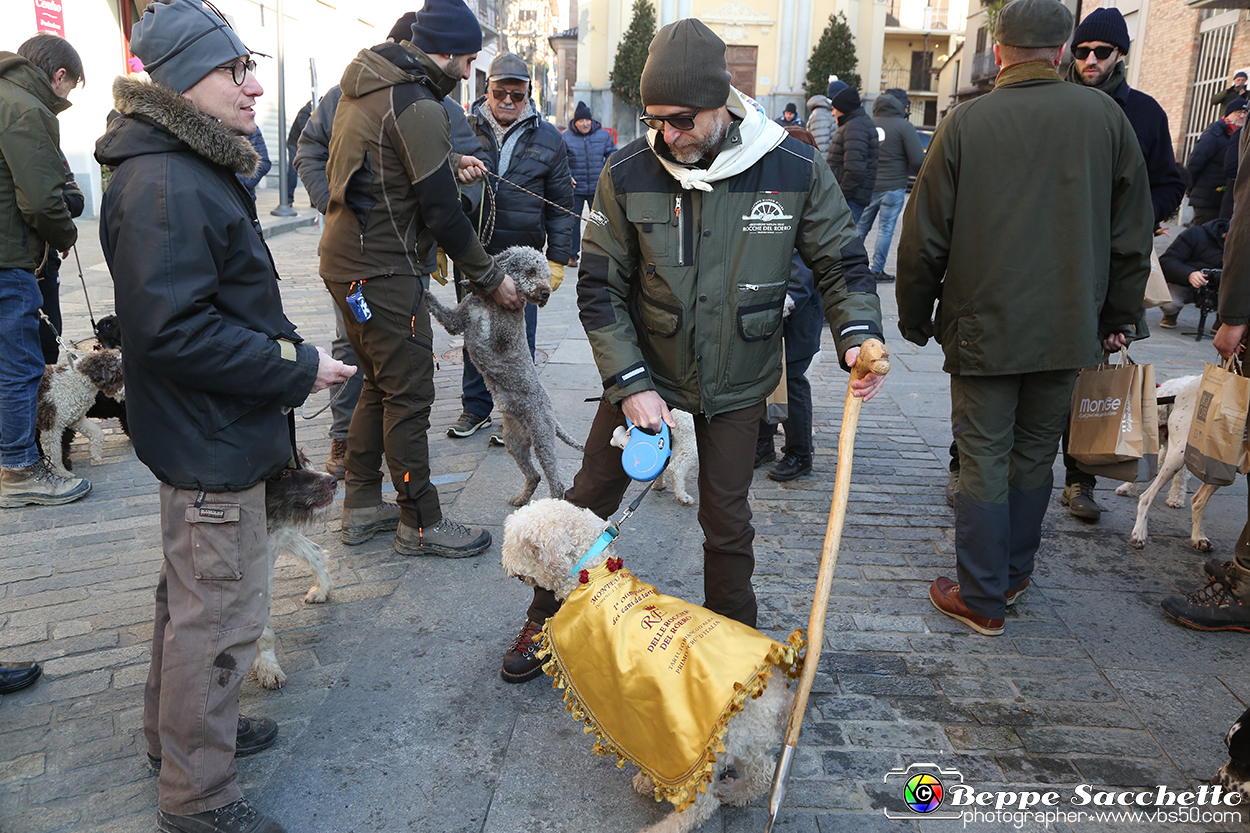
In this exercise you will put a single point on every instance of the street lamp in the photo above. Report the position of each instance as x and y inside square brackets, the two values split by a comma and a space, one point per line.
[283, 209]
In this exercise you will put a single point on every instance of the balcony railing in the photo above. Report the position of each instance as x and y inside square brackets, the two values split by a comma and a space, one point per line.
[983, 67]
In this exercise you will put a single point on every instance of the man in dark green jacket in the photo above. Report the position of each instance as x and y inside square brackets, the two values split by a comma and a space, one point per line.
[1035, 270]
[682, 295]
[32, 213]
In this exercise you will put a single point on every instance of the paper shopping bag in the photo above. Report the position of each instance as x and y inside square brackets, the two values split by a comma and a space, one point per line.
[1157, 293]
[1217, 433]
[1105, 424]
[1147, 466]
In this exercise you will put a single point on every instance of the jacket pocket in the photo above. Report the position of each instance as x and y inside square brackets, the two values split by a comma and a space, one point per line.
[216, 554]
[652, 214]
[659, 319]
[759, 321]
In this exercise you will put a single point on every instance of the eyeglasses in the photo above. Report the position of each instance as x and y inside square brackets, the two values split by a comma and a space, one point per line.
[239, 70]
[1102, 53]
[685, 121]
[517, 96]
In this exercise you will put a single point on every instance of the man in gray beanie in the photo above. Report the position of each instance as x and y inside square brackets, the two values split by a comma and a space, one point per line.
[1033, 274]
[682, 296]
[212, 367]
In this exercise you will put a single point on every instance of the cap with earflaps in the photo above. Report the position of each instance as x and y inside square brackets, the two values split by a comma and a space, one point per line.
[180, 42]
[1033, 24]
[685, 67]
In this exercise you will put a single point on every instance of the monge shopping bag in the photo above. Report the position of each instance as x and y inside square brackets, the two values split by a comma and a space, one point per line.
[1105, 424]
[1217, 433]
[1148, 466]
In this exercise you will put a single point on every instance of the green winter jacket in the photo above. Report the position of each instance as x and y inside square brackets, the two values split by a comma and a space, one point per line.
[32, 176]
[683, 291]
[1029, 227]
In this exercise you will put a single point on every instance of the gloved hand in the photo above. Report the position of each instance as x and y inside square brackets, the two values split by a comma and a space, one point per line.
[789, 306]
[557, 274]
[440, 274]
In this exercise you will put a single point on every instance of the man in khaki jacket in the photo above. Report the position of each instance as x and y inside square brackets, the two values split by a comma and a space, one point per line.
[1035, 270]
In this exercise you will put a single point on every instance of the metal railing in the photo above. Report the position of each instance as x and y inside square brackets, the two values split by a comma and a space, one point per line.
[983, 67]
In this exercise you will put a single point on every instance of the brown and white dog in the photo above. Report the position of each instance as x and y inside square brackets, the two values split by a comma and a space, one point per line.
[295, 501]
[67, 391]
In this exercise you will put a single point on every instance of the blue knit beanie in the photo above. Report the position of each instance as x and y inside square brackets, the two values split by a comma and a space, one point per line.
[447, 27]
[1106, 25]
[834, 88]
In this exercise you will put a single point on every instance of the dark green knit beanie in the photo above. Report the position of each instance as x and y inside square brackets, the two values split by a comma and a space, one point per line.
[685, 67]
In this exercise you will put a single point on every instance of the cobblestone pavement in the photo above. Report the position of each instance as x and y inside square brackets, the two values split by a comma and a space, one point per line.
[394, 717]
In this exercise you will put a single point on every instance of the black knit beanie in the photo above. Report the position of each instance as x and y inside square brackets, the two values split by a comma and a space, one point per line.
[402, 30]
[686, 67]
[846, 100]
[1106, 25]
[447, 27]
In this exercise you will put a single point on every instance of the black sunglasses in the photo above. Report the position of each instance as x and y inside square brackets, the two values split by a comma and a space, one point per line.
[516, 96]
[1101, 52]
[683, 122]
[239, 70]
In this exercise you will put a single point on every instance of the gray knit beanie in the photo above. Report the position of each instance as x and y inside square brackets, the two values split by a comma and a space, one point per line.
[686, 67]
[180, 41]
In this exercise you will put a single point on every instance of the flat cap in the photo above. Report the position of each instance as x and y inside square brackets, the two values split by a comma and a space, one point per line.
[1033, 24]
[507, 65]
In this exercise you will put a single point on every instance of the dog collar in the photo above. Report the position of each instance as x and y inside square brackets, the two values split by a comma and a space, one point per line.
[596, 549]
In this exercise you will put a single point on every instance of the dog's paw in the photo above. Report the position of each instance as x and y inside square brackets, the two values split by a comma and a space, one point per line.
[1175, 502]
[684, 499]
[643, 785]
[316, 595]
[732, 792]
[1137, 541]
[1126, 490]
[519, 500]
[1201, 544]
[269, 675]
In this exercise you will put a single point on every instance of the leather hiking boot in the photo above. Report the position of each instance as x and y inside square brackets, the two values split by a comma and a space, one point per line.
[1220, 606]
[446, 539]
[1218, 570]
[1016, 592]
[336, 463]
[359, 525]
[1079, 498]
[521, 663]
[15, 676]
[40, 484]
[764, 453]
[254, 734]
[239, 817]
[944, 594]
[792, 466]
[467, 425]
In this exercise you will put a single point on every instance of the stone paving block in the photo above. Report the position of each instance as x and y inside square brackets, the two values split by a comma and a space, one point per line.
[913, 737]
[1092, 714]
[46, 820]
[1120, 742]
[860, 641]
[12, 637]
[861, 663]
[32, 765]
[971, 738]
[885, 685]
[890, 624]
[851, 707]
[1091, 689]
[978, 688]
[863, 822]
[931, 709]
[117, 657]
[1122, 771]
[1034, 769]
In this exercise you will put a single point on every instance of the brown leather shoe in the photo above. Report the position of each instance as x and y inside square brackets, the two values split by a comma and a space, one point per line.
[944, 594]
[1017, 591]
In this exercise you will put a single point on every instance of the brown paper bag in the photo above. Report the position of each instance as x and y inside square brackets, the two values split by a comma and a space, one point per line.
[1157, 293]
[1148, 466]
[1105, 422]
[1217, 433]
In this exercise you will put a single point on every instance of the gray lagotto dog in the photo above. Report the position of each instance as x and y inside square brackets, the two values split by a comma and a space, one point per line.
[495, 339]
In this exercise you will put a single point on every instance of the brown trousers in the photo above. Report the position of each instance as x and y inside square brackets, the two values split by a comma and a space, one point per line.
[211, 605]
[396, 355]
[726, 445]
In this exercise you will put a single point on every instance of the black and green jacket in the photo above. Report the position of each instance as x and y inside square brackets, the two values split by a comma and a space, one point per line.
[683, 291]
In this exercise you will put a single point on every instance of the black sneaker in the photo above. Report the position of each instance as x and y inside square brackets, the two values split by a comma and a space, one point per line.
[254, 734]
[1216, 607]
[521, 663]
[467, 425]
[883, 277]
[764, 454]
[791, 466]
[239, 817]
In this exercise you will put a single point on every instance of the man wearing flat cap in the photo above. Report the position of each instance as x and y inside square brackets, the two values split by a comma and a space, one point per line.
[212, 369]
[1034, 270]
[682, 295]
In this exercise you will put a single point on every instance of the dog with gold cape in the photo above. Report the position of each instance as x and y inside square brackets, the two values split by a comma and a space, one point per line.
[679, 691]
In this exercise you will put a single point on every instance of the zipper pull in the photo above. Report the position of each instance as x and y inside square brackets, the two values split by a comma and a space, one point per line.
[677, 210]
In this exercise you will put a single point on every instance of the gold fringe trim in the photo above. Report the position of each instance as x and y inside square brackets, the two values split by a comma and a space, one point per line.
[785, 658]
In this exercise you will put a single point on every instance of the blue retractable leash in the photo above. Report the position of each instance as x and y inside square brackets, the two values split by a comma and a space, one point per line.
[644, 457]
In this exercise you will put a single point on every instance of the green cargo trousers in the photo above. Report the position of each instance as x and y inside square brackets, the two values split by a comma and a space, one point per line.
[1007, 430]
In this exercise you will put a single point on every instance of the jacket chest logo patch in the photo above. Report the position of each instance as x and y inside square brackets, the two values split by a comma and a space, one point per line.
[767, 217]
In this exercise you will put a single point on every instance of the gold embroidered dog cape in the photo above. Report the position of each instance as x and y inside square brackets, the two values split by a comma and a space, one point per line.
[655, 678]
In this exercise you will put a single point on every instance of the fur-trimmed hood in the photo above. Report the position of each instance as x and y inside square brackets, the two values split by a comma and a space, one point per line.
[180, 126]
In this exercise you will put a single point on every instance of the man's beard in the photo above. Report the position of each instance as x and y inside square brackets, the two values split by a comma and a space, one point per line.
[1097, 79]
[691, 154]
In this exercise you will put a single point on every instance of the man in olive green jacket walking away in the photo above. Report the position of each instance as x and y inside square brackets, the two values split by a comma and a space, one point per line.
[1035, 270]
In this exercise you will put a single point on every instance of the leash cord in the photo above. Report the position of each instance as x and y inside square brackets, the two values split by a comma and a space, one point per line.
[303, 409]
[595, 217]
[90, 314]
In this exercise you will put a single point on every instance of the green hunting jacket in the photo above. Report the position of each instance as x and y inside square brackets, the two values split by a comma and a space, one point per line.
[1029, 227]
[683, 291]
[32, 175]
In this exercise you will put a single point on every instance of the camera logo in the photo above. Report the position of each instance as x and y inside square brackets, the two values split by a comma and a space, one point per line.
[922, 786]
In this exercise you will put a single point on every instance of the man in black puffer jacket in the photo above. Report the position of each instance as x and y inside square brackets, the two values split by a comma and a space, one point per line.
[1200, 247]
[853, 153]
[900, 156]
[1206, 163]
[522, 148]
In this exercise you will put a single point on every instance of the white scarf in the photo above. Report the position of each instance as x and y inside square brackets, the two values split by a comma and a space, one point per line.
[759, 135]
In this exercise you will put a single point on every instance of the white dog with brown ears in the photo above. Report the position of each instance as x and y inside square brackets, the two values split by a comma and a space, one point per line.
[605, 612]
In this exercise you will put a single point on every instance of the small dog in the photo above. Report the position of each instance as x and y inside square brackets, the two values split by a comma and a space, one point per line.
[67, 392]
[1174, 425]
[685, 453]
[1234, 776]
[542, 543]
[295, 500]
[495, 339]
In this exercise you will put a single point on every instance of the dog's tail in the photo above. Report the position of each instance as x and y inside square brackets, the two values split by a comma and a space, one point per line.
[564, 435]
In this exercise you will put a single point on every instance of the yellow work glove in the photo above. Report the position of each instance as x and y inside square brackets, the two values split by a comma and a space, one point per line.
[557, 274]
[440, 274]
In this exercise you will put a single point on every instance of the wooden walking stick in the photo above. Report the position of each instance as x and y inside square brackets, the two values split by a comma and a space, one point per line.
[873, 358]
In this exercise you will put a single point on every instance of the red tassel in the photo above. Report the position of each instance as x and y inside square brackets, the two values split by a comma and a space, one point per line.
[584, 577]
[614, 564]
